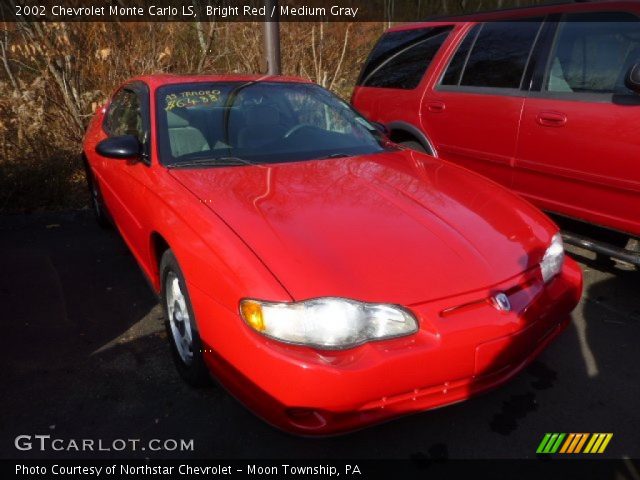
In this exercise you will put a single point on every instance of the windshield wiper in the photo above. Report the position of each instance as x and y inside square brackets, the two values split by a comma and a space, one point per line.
[336, 155]
[211, 162]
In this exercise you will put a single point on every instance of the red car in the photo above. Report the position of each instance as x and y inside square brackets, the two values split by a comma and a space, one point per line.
[327, 277]
[544, 101]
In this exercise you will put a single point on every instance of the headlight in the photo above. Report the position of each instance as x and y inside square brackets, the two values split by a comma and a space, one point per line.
[552, 261]
[331, 323]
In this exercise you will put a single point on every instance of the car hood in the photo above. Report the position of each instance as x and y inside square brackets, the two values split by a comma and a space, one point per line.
[399, 227]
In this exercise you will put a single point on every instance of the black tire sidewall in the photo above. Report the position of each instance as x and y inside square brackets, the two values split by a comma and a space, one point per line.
[196, 373]
[101, 214]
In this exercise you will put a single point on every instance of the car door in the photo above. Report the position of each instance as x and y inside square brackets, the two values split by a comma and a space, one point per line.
[125, 182]
[472, 112]
[579, 146]
[389, 87]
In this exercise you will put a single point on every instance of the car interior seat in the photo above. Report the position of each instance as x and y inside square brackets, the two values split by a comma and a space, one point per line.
[557, 80]
[183, 137]
[262, 127]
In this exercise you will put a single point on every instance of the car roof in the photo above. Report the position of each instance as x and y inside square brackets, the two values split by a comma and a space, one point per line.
[515, 13]
[158, 80]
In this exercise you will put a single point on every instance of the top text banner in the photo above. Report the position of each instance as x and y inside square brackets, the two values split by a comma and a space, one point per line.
[236, 10]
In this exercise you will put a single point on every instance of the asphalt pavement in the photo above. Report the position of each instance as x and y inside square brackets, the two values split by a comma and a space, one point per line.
[83, 355]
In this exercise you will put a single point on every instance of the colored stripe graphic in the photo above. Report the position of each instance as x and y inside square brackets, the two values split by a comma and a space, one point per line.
[577, 438]
[573, 443]
[596, 445]
[606, 442]
[599, 442]
[550, 443]
[544, 441]
[591, 442]
[555, 447]
[567, 442]
[581, 442]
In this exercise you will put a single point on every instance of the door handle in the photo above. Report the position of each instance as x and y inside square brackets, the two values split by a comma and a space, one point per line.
[551, 119]
[436, 107]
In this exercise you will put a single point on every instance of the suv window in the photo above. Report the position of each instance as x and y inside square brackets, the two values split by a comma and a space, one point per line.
[593, 53]
[454, 70]
[400, 59]
[498, 56]
[125, 116]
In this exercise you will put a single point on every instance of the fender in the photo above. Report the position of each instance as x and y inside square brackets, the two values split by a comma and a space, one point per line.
[416, 133]
[200, 255]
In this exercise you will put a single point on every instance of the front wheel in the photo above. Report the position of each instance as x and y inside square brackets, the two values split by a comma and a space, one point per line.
[180, 324]
[97, 202]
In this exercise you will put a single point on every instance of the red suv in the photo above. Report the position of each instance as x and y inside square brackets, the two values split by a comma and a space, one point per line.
[542, 100]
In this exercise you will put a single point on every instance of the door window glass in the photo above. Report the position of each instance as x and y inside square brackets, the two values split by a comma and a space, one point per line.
[500, 54]
[454, 70]
[593, 53]
[400, 59]
[125, 116]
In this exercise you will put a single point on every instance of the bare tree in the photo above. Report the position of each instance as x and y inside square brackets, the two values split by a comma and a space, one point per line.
[204, 40]
[4, 54]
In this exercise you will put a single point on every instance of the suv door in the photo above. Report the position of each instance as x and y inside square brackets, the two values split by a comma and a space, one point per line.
[473, 112]
[579, 146]
[124, 182]
[390, 85]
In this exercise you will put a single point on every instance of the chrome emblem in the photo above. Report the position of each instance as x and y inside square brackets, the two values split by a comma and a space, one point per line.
[501, 302]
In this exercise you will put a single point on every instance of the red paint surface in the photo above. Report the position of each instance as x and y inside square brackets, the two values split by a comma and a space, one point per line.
[398, 227]
[575, 158]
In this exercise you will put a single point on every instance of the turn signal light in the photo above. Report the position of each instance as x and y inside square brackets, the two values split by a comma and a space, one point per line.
[252, 313]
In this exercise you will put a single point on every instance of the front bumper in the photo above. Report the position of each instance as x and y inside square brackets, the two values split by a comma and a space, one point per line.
[465, 346]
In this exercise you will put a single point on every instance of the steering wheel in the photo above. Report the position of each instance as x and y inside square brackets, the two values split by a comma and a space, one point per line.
[297, 128]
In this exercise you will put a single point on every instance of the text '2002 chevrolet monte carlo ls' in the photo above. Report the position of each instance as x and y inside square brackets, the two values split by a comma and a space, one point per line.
[329, 278]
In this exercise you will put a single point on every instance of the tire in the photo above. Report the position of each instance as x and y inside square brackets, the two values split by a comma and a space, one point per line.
[413, 145]
[97, 202]
[180, 324]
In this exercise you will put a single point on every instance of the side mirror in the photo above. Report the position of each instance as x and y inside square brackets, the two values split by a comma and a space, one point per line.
[124, 146]
[381, 127]
[632, 80]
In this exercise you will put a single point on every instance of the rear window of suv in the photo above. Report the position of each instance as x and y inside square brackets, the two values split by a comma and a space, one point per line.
[400, 58]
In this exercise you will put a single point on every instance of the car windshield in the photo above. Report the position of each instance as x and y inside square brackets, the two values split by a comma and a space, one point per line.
[235, 123]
